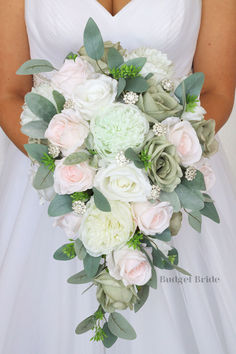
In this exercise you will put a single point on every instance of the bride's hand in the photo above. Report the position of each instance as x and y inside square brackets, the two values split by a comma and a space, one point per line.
[215, 56]
[14, 50]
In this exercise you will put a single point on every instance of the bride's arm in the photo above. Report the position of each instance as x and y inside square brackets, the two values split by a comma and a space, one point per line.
[14, 51]
[216, 57]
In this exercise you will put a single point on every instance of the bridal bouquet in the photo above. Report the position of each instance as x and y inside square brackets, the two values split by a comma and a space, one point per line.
[119, 149]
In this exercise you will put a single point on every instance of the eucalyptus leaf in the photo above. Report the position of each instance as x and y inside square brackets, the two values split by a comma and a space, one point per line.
[137, 62]
[109, 338]
[59, 99]
[36, 151]
[43, 178]
[76, 158]
[142, 297]
[164, 236]
[168, 264]
[79, 278]
[93, 41]
[100, 201]
[189, 198]
[35, 129]
[80, 250]
[197, 183]
[179, 269]
[60, 205]
[91, 265]
[120, 327]
[157, 259]
[210, 212]
[62, 255]
[195, 220]
[137, 84]
[131, 155]
[121, 86]
[148, 76]
[40, 106]
[193, 86]
[153, 281]
[114, 58]
[35, 66]
[172, 198]
[86, 325]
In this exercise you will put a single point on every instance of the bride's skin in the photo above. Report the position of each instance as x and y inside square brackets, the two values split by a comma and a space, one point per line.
[215, 56]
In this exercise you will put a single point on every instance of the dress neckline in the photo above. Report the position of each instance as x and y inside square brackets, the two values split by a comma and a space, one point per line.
[119, 13]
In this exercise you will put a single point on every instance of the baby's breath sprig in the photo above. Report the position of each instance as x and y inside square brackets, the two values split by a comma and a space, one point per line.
[191, 103]
[125, 72]
[146, 159]
[80, 196]
[99, 332]
[136, 240]
[48, 161]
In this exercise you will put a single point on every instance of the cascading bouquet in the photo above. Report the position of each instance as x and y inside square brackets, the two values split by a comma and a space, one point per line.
[120, 153]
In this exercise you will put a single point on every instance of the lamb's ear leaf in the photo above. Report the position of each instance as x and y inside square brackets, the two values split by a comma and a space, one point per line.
[79, 278]
[137, 84]
[101, 201]
[93, 41]
[43, 178]
[60, 205]
[193, 86]
[35, 129]
[120, 327]
[35, 66]
[59, 99]
[142, 297]
[114, 58]
[137, 62]
[195, 220]
[40, 106]
[36, 151]
[86, 325]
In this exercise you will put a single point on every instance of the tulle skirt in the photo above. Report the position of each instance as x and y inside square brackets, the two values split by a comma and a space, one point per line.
[39, 310]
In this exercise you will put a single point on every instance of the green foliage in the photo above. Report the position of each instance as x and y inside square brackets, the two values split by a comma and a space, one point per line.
[49, 162]
[198, 183]
[93, 41]
[195, 220]
[137, 84]
[71, 56]
[91, 265]
[80, 250]
[35, 129]
[36, 151]
[172, 198]
[40, 106]
[136, 241]
[153, 281]
[99, 331]
[131, 155]
[210, 211]
[60, 205]
[125, 72]
[35, 66]
[143, 293]
[65, 252]
[76, 158]
[164, 236]
[192, 85]
[110, 338]
[80, 196]
[79, 278]
[146, 159]
[86, 325]
[43, 178]
[120, 327]
[190, 199]
[121, 86]
[114, 58]
[100, 201]
[191, 103]
[59, 99]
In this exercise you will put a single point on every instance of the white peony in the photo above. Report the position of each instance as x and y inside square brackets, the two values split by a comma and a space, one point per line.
[94, 94]
[129, 265]
[126, 183]
[118, 127]
[157, 63]
[102, 232]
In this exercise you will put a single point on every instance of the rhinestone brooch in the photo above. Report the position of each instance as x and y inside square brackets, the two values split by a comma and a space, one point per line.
[155, 193]
[190, 173]
[167, 85]
[159, 129]
[79, 207]
[53, 150]
[130, 98]
[121, 159]
[69, 104]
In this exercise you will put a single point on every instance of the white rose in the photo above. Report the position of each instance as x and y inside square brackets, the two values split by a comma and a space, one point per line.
[71, 74]
[70, 223]
[67, 130]
[94, 94]
[196, 114]
[126, 183]
[152, 218]
[72, 178]
[45, 90]
[129, 265]
[184, 137]
[101, 232]
[208, 173]
[157, 63]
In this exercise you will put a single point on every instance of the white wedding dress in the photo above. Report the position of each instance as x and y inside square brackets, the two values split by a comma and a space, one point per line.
[38, 309]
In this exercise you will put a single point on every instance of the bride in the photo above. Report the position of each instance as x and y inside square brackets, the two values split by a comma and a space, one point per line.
[39, 310]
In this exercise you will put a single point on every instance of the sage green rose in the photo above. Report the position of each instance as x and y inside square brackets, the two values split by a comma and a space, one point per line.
[103, 61]
[205, 130]
[165, 170]
[158, 104]
[112, 294]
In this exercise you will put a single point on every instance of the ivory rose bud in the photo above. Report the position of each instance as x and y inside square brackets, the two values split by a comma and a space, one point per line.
[125, 183]
[208, 174]
[67, 130]
[72, 73]
[152, 218]
[188, 147]
[70, 223]
[129, 265]
[72, 178]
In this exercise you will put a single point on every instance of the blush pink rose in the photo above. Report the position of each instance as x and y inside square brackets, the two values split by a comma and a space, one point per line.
[70, 223]
[71, 74]
[73, 178]
[209, 175]
[152, 218]
[67, 130]
[129, 265]
[184, 137]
